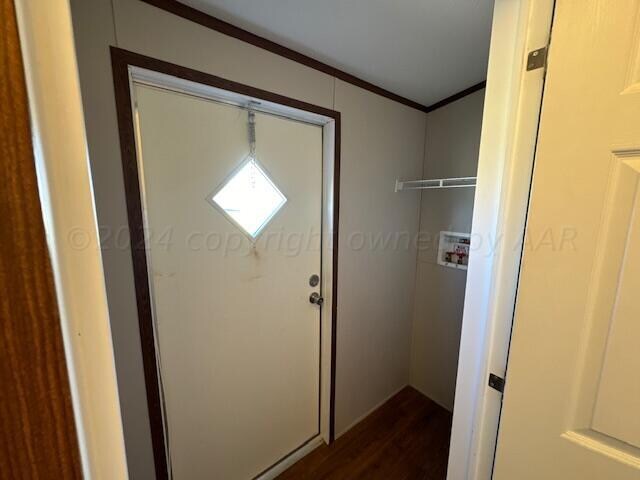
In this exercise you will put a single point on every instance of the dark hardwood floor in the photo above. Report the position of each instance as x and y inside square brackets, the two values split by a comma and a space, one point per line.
[407, 438]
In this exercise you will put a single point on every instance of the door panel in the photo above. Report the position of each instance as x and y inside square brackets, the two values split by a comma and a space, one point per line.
[238, 340]
[617, 392]
[573, 381]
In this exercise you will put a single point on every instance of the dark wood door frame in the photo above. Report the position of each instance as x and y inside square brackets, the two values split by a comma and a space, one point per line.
[121, 60]
[38, 437]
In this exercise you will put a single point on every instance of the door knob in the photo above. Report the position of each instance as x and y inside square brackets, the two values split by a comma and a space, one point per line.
[316, 298]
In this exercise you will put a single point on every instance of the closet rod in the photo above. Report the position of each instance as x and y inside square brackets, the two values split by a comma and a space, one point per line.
[458, 182]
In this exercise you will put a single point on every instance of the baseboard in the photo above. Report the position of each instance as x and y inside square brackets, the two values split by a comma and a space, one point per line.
[370, 411]
[430, 397]
[292, 458]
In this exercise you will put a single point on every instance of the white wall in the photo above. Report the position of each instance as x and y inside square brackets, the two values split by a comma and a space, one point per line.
[381, 141]
[453, 140]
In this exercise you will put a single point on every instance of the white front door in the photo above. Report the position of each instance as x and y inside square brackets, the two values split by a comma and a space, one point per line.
[572, 401]
[232, 245]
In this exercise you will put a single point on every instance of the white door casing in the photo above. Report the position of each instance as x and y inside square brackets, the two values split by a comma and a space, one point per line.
[573, 381]
[237, 339]
[507, 148]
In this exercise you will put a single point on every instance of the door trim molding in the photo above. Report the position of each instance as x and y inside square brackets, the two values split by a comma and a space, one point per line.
[507, 149]
[122, 63]
[67, 207]
[42, 431]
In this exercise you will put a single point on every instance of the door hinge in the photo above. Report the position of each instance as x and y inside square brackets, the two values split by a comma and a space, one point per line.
[537, 58]
[496, 382]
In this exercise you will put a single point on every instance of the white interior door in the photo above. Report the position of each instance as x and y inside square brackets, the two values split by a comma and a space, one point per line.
[572, 400]
[237, 338]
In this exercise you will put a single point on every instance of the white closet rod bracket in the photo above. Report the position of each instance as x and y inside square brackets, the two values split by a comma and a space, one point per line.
[457, 182]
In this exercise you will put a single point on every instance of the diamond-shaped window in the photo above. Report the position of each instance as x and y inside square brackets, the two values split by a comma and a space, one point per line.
[249, 198]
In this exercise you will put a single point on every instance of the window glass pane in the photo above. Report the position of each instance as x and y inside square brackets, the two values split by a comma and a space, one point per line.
[250, 198]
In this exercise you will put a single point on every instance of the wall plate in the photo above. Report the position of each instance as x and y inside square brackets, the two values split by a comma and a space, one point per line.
[453, 250]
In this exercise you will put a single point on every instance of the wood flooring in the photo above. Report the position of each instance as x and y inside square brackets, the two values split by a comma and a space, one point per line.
[407, 438]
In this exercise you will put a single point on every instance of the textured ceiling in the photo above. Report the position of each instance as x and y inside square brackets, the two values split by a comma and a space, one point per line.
[424, 50]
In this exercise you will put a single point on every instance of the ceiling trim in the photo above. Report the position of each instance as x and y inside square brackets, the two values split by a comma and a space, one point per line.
[457, 96]
[197, 16]
[209, 21]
